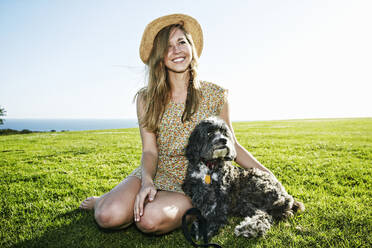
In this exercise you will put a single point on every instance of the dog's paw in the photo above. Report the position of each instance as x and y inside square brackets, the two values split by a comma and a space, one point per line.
[297, 207]
[254, 226]
[245, 229]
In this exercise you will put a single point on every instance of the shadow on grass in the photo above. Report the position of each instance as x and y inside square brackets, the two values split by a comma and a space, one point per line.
[78, 229]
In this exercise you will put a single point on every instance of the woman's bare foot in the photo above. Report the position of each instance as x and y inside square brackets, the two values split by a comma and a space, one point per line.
[88, 203]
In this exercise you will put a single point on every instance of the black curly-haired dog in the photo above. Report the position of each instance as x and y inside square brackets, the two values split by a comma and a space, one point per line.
[219, 189]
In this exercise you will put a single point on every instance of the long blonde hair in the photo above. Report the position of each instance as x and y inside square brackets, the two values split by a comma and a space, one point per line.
[156, 95]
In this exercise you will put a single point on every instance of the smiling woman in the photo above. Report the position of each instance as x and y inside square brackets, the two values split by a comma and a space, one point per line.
[179, 55]
[173, 57]
[168, 109]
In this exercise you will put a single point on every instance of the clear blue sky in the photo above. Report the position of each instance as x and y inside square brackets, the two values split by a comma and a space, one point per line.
[279, 59]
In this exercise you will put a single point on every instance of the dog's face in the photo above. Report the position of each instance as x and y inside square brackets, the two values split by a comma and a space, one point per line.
[211, 140]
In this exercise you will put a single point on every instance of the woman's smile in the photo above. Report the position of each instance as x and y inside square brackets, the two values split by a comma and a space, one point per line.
[178, 60]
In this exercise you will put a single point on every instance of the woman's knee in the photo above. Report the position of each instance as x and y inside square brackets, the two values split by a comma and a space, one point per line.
[103, 218]
[164, 214]
[152, 220]
[112, 216]
[148, 224]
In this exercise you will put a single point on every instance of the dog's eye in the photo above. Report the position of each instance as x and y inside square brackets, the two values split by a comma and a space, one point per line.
[210, 133]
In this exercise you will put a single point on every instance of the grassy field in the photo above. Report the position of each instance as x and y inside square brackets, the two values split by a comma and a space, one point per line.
[326, 163]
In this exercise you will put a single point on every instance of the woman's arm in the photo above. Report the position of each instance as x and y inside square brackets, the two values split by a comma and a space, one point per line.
[243, 157]
[149, 163]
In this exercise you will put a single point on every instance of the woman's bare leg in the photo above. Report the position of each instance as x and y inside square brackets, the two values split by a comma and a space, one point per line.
[164, 213]
[115, 209]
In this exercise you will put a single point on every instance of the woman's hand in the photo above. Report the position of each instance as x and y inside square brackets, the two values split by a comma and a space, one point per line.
[147, 190]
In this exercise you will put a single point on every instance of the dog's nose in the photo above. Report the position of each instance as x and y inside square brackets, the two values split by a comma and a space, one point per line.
[222, 141]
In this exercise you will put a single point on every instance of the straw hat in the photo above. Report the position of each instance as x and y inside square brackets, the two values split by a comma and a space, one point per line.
[190, 24]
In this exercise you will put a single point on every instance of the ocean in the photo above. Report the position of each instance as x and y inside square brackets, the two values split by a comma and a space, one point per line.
[67, 124]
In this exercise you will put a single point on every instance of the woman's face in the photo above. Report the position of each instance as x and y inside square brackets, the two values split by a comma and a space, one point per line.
[179, 55]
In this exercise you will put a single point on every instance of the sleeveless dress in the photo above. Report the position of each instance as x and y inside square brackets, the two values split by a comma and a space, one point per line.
[172, 137]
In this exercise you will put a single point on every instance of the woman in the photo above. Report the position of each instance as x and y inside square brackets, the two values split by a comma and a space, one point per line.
[168, 109]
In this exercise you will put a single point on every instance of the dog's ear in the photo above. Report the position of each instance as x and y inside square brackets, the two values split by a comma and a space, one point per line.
[193, 148]
[195, 144]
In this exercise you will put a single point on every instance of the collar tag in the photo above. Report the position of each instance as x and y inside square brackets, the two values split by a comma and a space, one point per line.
[207, 179]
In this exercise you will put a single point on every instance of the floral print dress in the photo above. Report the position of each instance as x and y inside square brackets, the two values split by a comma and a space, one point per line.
[172, 137]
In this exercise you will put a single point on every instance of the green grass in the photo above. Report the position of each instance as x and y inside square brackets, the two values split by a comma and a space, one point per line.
[326, 163]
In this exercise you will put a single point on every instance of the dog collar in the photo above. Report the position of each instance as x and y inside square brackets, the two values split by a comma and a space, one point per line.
[210, 164]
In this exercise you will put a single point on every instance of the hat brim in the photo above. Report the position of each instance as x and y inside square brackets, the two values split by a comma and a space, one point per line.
[190, 24]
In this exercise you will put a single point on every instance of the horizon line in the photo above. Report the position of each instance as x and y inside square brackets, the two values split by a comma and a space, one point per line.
[135, 119]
